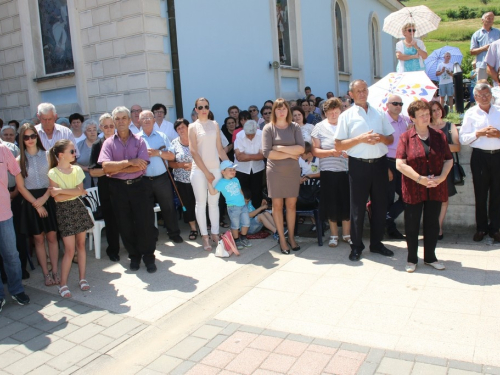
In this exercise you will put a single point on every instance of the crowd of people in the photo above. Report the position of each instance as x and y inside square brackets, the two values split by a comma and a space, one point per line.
[253, 169]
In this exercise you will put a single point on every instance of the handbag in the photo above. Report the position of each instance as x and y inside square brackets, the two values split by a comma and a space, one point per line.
[458, 172]
[229, 243]
[90, 202]
[220, 250]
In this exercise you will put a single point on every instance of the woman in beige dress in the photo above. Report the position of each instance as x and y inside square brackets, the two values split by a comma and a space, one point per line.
[282, 145]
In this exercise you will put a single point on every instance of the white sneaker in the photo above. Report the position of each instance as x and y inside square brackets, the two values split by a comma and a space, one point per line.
[437, 265]
[410, 267]
[347, 239]
[334, 241]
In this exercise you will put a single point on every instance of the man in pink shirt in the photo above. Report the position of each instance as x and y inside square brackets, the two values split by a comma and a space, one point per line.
[400, 124]
[8, 249]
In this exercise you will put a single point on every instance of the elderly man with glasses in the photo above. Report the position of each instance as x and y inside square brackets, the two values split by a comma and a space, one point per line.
[480, 130]
[400, 124]
[158, 145]
[135, 111]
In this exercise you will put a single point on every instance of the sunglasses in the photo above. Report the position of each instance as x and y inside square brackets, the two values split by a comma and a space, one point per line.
[412, 30]
[200, 107]
[397, 103]
[72, 152]
[266, 113]
[106, 127]
[31, 136]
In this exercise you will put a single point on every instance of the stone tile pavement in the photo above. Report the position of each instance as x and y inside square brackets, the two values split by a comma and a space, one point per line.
[225, 348]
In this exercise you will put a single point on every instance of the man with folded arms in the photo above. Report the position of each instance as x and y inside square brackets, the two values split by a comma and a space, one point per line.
[124, 158]
[365, 132]
[480, 130]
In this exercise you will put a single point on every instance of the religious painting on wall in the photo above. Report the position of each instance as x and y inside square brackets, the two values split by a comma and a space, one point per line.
[56, 40]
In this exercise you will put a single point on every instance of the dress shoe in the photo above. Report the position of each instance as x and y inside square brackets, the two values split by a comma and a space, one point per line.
[177, 239]
[441, 236]
[151, 268]
[383, 251]
[354, 256]
[396, 235]
[496, 236]
[410, 267]
[134, 266]
[114, 258]
[478, 236]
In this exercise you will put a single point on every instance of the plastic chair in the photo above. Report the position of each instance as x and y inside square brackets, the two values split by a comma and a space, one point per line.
[319, 224]
[95, 232]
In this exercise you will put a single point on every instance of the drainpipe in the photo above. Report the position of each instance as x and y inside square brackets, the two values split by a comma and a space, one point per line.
[174, 54]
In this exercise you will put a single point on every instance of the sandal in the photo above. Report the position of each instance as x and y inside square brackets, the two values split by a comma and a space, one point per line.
[64, 292]
[57, 279]
[49, 281]
[347, 239]
[84, 285]
[223, 224]
[334, 241]
[206, 243]
[193, 235]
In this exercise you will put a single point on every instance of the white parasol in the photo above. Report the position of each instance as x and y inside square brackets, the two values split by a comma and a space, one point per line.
[424, 19]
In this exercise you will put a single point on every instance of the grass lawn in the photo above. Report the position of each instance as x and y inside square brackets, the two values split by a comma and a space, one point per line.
[440, 6]
[431, 45]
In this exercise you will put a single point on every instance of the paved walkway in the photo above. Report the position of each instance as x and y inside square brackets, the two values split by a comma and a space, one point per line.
[266, 313]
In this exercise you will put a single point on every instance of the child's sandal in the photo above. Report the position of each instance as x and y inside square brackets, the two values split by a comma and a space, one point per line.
[64, 292]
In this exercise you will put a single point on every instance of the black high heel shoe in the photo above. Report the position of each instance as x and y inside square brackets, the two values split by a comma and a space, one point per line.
[287, 251]
[296, 248]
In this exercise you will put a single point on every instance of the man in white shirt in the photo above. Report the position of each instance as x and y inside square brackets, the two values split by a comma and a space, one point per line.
[162, 125]
[480, 130]
[50, 132]
[250, 161]
[445, 73]
[135, 111]
[365, 132]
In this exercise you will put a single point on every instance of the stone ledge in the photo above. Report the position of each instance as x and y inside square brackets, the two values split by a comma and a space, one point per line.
[54, 76]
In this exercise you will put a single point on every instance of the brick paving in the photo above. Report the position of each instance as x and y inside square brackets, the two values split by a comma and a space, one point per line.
[242, 349]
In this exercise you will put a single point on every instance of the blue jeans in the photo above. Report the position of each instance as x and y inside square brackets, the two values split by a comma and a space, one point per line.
[238, 216]
[10, 257]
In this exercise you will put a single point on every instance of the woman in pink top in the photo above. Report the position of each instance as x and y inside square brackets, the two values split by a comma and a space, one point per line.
[206, 149]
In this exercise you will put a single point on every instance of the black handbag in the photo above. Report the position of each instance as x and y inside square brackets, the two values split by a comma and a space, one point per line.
[90, 201]
[458, 172]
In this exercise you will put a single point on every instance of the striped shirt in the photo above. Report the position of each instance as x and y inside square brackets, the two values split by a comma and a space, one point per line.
[325, 133]
[60, 132]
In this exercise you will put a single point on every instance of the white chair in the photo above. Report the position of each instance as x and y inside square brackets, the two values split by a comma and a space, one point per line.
[95, 232]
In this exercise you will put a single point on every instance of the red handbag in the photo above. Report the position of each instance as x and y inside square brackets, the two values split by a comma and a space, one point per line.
[229, 243]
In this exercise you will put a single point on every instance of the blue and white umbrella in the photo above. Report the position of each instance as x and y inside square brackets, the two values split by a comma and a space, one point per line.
[437, 56]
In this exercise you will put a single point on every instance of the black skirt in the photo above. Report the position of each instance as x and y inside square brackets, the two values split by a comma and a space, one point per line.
[73, 217]
[31, 222]
[335, 196]
[452, 190]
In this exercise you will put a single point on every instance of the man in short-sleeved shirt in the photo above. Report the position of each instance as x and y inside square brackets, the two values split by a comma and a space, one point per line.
[124, 158]
[493, 62]
[8, 250]
[365, 133]
[480, 43]
[445, 73]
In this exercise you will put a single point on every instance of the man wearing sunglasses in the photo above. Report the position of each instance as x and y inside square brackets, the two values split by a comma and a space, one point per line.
[399, 123]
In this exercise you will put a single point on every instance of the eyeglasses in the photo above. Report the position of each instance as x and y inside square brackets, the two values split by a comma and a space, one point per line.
[106, 127]
[397, 103]
[484, 96]
[253, 110]
[136, 111]
[412, 30]
[159, 112]
[31, 136]
[72, 152]
[200, 107]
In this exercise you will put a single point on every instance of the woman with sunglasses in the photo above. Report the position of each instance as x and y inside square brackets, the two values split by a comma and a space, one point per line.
[410, 51]
[38, 217]
[206, 149]
[73, 219]
[107, 127]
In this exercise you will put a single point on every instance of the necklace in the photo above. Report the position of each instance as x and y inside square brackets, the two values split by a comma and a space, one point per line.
[423, 137]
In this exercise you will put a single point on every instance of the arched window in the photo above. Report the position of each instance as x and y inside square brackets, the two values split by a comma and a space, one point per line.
[374, 31]
[340, 27]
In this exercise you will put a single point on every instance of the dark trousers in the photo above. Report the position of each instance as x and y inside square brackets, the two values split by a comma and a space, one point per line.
[253, 182]
[133, 206]
[163, 194]
[413, 214]
[112, 232]
[486, 179]
[368, 180]
[187, 195]
[394, 208]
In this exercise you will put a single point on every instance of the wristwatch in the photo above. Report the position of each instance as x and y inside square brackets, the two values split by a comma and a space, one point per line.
[161, 152]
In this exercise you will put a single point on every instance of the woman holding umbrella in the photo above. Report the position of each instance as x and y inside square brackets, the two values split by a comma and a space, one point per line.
[410, 51]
